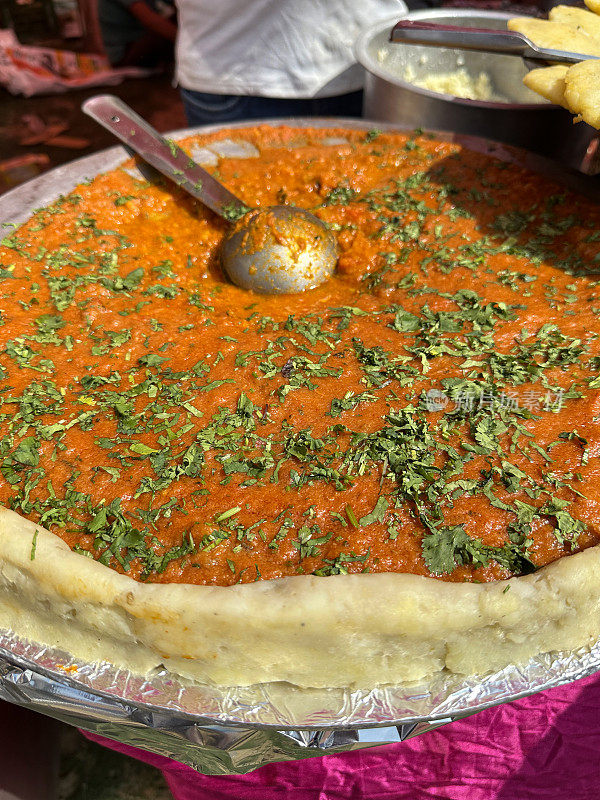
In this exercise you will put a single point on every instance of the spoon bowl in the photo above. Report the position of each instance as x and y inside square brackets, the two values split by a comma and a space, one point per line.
[277, 250]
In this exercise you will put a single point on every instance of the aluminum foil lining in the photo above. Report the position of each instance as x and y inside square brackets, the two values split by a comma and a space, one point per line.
[223, 731]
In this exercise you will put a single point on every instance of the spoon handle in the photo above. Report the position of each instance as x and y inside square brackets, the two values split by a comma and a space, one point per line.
[164, 155]
[492, 41]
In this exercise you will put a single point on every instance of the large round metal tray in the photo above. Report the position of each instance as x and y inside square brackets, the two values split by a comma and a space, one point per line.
[52, 682]
[17, 204]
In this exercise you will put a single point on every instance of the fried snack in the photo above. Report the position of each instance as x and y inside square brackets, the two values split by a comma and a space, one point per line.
[584, 21]
[549, 82]
[556, 35]
[582, 91]
[576, 88]
[593, 5]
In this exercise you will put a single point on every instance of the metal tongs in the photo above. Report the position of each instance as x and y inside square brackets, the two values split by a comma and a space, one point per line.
[490, 41]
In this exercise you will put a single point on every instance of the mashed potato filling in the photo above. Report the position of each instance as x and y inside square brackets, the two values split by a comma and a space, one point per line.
[458, 83]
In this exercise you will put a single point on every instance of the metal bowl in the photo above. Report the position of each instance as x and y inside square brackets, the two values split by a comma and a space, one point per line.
[525, 121]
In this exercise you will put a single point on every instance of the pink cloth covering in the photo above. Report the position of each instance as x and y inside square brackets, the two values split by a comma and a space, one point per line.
[544, 747]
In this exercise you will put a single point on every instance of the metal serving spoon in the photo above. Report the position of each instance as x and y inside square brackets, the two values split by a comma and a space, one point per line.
[275, 250]
[490, 41]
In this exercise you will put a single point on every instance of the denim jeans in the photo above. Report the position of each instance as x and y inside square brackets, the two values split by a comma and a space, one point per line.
[204, 109]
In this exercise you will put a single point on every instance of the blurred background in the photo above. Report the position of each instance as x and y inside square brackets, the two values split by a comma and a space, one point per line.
[55, 52]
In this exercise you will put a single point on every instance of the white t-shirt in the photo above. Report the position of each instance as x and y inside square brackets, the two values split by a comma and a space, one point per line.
[275, 48]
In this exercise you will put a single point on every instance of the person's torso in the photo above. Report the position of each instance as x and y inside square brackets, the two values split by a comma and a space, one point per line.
[274, 48]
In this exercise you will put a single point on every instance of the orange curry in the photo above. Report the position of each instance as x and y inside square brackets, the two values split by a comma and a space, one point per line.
[434, 408]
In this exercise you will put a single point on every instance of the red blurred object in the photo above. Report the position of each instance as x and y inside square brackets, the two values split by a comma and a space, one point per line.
[22, 168]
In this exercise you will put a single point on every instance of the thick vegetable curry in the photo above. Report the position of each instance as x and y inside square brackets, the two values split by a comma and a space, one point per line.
[433, 408]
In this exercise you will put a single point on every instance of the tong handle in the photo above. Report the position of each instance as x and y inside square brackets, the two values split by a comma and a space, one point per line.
[490, 41]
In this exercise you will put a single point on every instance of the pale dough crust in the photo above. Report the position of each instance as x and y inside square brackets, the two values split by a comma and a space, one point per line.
[340, 631]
